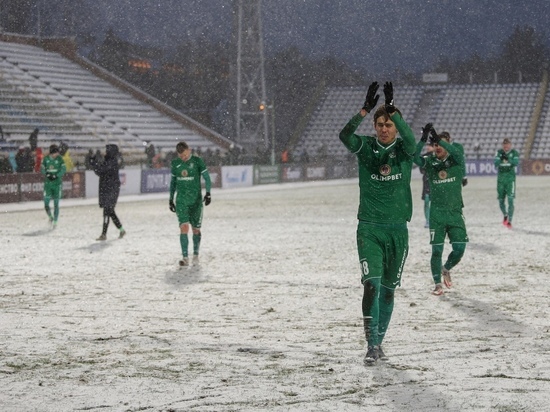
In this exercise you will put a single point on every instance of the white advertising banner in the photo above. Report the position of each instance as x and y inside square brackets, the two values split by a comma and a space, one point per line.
[237, 176]
[130, 182]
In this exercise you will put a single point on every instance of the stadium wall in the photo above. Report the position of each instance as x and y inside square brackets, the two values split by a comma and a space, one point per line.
[24, 187]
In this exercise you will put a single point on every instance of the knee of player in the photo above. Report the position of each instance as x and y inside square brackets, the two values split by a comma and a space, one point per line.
[459, 249]
[437, 250]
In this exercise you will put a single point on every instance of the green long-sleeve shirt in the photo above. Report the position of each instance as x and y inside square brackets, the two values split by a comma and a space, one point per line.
[506, 168]
[384, 172]
[444, 176]
[186, 180]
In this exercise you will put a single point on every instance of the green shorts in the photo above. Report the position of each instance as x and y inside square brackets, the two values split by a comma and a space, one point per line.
[53, 190]
[383, 250]
[446, 222]
[506, 188]
[191, 214]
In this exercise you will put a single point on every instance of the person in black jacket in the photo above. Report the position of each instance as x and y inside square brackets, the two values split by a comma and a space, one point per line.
[109, 188]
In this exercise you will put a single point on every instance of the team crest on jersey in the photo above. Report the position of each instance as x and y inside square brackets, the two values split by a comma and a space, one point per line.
[385, 170]
[184, 173]
[442, 174]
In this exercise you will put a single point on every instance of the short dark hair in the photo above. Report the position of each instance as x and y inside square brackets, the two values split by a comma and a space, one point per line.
[54, 149]
[382, 112]
[181, 147]
[506, 140]
[446, 136]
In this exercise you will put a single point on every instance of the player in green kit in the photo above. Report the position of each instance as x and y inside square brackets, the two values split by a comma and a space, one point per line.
[185, 183]
[506, 160]
[53, 169]
[385, 206]
[445, 170]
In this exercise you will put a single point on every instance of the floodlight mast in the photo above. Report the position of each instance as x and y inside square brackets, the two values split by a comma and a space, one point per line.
[251, 122]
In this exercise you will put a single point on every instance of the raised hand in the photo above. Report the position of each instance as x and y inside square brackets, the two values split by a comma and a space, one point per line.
[388, 94]
[434, 137]
[426, 132]
[372, 97]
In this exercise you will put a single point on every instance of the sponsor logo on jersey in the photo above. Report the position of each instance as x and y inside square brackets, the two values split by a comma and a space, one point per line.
[385, 170]
[442, 174]
[446, 180]
[396, 176]
[184, 173]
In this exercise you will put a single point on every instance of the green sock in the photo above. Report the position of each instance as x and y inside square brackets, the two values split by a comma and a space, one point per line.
[510, 208]
[196, 243]
[55, 209]
[385, 304]
[184, 242]
[435, 262]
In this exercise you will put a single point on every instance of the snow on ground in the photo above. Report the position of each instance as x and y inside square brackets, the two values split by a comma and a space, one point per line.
[271, 319]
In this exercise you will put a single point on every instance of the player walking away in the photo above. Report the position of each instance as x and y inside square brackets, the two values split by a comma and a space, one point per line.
[426, 189]
[185, 183]
[53, 169]
[385, 206]
[109, 188]
[506, 160]
[445, 170]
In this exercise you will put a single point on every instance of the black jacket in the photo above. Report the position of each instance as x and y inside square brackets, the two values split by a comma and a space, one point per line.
[109, 182]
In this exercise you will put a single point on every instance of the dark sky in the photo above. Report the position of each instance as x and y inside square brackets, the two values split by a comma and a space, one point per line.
[375, 34]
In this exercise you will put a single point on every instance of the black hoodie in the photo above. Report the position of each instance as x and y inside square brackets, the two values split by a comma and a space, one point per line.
[109, 182]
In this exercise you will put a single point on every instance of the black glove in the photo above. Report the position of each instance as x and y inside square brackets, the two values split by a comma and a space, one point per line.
[388, 93]
[372, 97]
[207, 199]
[503, 156]
[426, 132]
[172, 206]
[434, 137]
[51, 176]
[464, 181]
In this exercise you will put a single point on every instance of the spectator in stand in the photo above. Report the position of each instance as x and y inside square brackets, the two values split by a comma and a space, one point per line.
[1, 135]
[88, 159]
[150, 154]
[170, 155]
[5, 164]
[36, 152]
[64, 152]
[24, 160]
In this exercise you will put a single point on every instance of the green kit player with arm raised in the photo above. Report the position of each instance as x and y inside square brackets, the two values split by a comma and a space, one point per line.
[506, 160]
[445, 170]
[53, 169]
[385, 206]
[185, 184]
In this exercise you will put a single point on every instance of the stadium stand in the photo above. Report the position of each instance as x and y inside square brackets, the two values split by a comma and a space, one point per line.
[541, 144]
[335, 109]
[477, 115]
[70, 103]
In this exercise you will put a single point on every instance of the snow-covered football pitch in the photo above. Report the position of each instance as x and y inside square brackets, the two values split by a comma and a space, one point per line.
[271, 318]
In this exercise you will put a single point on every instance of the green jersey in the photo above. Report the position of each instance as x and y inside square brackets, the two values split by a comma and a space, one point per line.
[186, 180]
[384, 172]
[444, 176]
[506, 168]
[53, 167]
